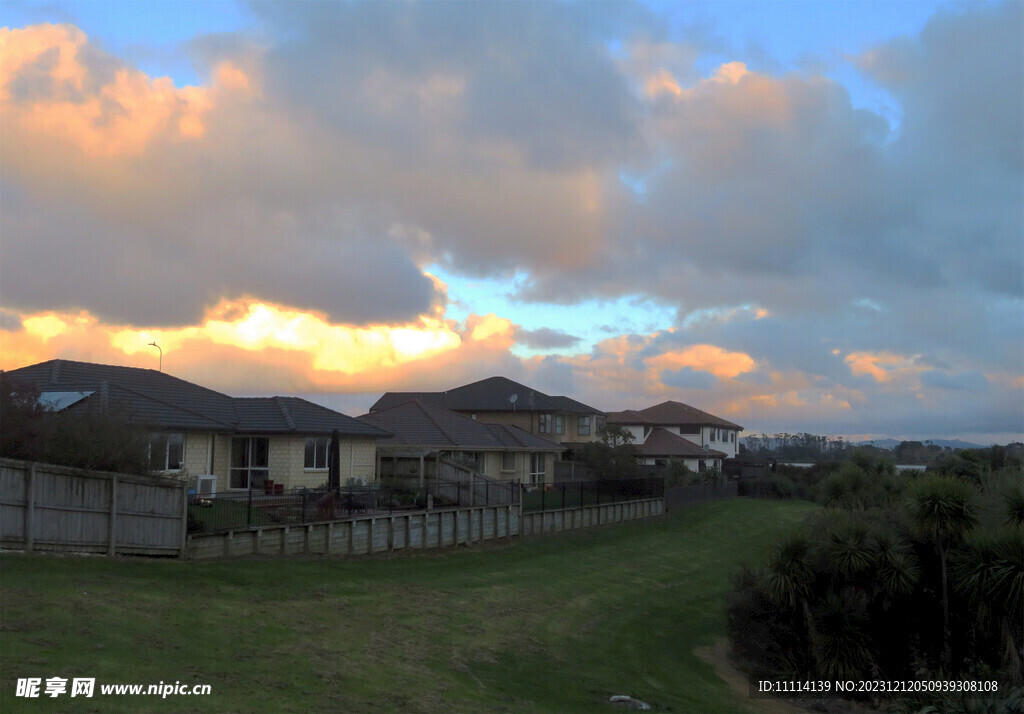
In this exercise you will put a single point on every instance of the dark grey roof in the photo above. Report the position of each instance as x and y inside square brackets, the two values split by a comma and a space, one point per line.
[489, 395]
[293, 414]
[416, 423]
[663, 443]
[670, 413]
[159, 400]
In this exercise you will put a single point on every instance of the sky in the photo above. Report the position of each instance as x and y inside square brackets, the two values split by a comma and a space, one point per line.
[799, 216]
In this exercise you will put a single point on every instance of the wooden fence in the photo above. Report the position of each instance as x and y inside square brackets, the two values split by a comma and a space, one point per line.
[363, 535]
[55, 508]
[566, 519]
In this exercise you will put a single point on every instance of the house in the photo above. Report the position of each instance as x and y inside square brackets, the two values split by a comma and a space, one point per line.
[230, 443]
[425, 433]
[673, 430]
[499, 400]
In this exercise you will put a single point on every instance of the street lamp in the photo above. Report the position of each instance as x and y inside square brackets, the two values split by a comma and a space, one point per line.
[153, 344]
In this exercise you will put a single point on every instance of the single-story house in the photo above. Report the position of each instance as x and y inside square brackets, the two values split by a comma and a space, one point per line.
[425, 433]
[673, 430]
[499, 400]
[221, 443]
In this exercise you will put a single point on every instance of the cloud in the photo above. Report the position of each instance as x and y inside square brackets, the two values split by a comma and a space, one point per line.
[820, 266]
[688, 378]
[971, 381]
[546, 338]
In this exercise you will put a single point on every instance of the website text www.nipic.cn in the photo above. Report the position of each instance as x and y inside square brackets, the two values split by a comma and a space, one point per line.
[54, 687]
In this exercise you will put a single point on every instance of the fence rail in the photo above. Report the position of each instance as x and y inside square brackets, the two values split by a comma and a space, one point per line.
[690, 495]
[572, 494]
[57, 508]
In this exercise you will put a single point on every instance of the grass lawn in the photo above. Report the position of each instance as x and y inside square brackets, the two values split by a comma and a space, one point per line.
[554, 624]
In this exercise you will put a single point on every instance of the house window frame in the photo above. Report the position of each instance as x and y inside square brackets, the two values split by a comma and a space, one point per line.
[583, 426]
[168, 437]
[559, 424]
[538, 476]
[318, 442]
[711, 436]
[505, 456]
[249, 469]
[543, 423]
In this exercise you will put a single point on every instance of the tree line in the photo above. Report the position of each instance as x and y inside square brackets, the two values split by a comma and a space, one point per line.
[900, 576]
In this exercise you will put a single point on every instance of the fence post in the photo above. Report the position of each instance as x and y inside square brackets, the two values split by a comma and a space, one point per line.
[30, 507]
[111, 545]
[184, 517]
[562, 486]
[248, 510]
[304, 507]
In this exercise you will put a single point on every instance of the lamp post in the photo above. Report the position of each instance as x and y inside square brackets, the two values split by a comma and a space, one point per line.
[154, 344]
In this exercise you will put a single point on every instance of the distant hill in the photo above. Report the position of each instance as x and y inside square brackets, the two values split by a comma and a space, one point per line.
[891, 444]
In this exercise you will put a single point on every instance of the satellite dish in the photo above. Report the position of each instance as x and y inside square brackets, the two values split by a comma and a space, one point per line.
[513, 398]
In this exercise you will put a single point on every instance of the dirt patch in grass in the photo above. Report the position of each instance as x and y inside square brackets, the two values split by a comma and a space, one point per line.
[717, 655]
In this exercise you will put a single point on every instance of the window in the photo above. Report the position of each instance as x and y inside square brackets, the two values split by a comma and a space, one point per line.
[583, 428]
[689, 429]
[600, 422]
[559, 424]
[732, 436]
[544, 422]
[712, 437]
[166, 452]
[508, 461]
[250, 461]
[481, 462]
[536, 467]
[316, 452]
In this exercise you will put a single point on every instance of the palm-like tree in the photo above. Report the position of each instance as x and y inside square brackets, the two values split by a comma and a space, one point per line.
[990, 573]
[942, 510]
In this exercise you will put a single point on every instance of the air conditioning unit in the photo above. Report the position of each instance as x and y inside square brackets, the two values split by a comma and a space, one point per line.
[205, 485]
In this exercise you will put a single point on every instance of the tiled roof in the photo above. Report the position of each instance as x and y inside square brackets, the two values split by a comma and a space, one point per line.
[493, 394]
[670, 413]
[160, 400]
[663, 443]
[416, 423]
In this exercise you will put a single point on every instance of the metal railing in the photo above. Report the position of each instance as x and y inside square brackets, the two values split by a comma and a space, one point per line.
[245, 509]
[574, 494]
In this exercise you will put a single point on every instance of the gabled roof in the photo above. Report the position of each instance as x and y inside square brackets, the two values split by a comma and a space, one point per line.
[494, 394]
[670, 413]
[416, 423]
[293, 414]
[159, 400]
[663, 443]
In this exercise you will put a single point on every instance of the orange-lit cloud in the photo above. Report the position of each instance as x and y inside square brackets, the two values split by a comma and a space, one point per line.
[249, 345]
[707, 358]
[880, 365]
[102, 116]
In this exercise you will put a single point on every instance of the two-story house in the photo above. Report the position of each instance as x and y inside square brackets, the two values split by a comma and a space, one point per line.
[673, 430]
[499, 400]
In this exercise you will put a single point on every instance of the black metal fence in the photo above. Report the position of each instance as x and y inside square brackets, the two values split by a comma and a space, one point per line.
[228, 511]
[573, 494]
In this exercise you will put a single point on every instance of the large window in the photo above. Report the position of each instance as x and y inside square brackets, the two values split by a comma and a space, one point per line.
[583, 427]
[689, 429]
[166, 452]
[537, 467]
[250, 461]
[544, 423]
[316, 452]
[559, 424]
[712, 437]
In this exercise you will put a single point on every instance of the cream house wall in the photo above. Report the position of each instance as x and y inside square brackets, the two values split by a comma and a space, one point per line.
[197, 453]
[287, 455]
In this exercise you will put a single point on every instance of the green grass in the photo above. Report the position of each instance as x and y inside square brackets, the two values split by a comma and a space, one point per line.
[556, 623]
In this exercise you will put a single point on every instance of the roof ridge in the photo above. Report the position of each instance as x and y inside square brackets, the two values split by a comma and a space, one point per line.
[175, 406]
[283, 408]
[447, 434]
